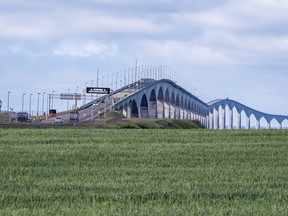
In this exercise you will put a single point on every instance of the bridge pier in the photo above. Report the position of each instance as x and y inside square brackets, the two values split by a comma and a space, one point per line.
[172, 111]
[143, 112]
[268, 125]
[247, 122]
[160, 109]
[189, 115]
[257, 124]
[211, 126]
[152, 109]
[177, 112]
[216, 119]
[129, 110]
[238, 123]
[166, 110]
[222, 122]
[230, 118]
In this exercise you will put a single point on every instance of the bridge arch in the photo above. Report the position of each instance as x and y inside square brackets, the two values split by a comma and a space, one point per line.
[134, 109]
[144, 110]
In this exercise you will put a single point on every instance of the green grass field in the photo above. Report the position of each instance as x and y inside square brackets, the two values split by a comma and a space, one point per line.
[143, 172]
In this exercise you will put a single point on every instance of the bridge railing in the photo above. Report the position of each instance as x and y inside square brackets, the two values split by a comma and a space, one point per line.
[123, 78]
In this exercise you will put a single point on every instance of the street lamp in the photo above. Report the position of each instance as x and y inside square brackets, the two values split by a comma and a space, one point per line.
[23, 101]
[116, 82]
[84, 92]
[112, 81]
[68, 100]
[92, 86]
[52, 99]
[38, 104]
[43, 102]
[30, 104]
[8, 101]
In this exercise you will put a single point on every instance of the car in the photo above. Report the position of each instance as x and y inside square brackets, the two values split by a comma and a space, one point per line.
[58, 120]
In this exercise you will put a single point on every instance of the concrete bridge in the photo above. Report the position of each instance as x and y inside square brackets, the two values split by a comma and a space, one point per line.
[155, 95]
[163, 99]
[221, 115]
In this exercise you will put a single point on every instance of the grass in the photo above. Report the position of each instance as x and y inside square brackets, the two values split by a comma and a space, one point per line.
[143, 172]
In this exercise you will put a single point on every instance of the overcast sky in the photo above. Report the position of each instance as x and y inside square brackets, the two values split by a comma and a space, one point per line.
[225, 48]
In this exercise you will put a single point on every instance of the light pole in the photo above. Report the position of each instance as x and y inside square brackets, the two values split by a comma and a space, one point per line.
[38, 105]
[8, 101]
[92, 86]
[52, 99]
[76, 98]
[84, 92]
[43, 102]
[23, 101]
[116, 82]
[30, 105]
[48, 106]
[112, 82]
[68, 101]
[125, 77]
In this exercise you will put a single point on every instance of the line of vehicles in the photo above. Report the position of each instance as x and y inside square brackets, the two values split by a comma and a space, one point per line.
[26, 117]
[20, 117]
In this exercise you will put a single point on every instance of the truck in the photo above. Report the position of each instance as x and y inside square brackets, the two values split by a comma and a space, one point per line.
[74, 116]
[24, 117]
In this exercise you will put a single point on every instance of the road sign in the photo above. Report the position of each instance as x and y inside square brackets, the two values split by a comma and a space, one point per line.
[67, 96]
[96, 90]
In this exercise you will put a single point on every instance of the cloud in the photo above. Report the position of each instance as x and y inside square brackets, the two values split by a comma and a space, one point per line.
[180, 52]
[86, 49]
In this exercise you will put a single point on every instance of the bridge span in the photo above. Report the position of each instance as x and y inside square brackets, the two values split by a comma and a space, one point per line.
[221, 115]
[164, 98]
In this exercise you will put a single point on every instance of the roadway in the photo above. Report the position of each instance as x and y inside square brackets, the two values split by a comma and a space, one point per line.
[98, 107]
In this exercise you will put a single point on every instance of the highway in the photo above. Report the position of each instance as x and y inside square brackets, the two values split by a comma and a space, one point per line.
[98, 107]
